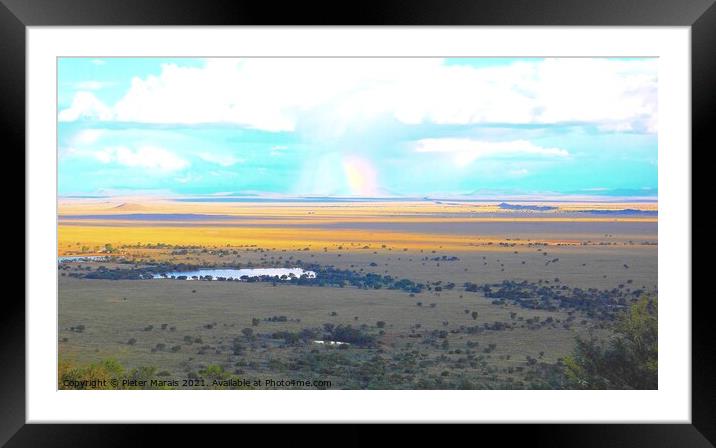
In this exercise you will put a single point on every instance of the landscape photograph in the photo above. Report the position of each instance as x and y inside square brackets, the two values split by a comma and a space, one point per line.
[357, 223]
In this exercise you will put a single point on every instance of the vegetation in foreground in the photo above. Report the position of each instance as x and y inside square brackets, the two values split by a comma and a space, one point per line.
[379, 317]
[109, 374]
[628, 361]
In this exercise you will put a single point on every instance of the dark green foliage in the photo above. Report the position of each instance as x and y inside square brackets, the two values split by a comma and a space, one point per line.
[628, 361]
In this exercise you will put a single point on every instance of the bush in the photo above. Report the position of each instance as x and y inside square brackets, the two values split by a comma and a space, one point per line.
[352, 336]
[289, 338]
[100, 375]
[628, 361]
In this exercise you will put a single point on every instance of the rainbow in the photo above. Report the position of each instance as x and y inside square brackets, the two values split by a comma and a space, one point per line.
[361, 176]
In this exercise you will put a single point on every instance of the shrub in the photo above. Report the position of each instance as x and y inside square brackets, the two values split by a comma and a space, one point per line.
[214, 373]
[100, 375]
[628, 361]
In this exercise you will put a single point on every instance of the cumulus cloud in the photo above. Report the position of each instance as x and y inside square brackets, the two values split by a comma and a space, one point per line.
[148, 157]
[465, 151]
[281, 94]
[86, 105]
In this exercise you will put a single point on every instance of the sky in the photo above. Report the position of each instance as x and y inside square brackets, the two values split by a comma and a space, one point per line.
[368, 127]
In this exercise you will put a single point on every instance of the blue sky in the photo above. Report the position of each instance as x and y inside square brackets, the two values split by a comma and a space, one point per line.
[358, 126]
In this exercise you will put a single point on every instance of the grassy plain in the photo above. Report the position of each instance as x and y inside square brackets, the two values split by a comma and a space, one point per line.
[181, 327]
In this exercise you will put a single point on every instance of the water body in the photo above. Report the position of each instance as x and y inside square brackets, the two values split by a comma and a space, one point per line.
[81, 258]
[236, 274]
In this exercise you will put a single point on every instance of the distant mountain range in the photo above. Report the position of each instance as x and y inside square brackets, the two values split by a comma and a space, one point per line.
[535, 208]
[546, 208]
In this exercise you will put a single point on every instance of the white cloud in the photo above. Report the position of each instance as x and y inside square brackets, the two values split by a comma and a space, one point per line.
[88, 136]
[92, 85]
[465, 151]
[283, 94]
[105, 155]
[148, 157]
[86, 105]
[220, 159]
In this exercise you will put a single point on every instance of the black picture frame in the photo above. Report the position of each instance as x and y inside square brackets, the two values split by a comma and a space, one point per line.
[16, 15]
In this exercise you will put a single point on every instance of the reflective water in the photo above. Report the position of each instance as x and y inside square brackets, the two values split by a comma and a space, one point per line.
[80, 258]
[236, 274]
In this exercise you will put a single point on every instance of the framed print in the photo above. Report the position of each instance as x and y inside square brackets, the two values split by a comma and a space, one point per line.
[484, 217]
